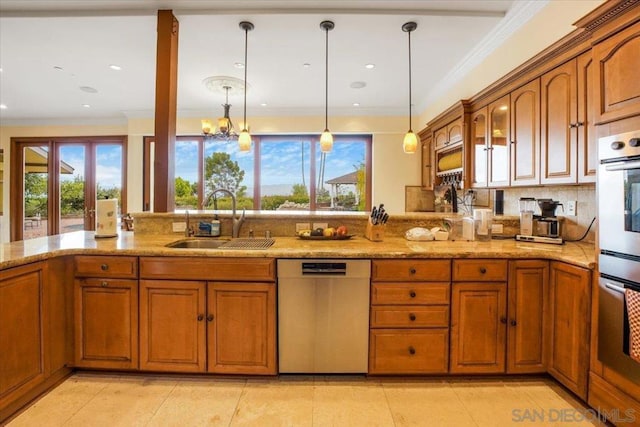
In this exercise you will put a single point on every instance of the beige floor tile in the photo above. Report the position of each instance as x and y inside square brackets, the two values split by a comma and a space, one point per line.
[205, 402]
[273, 402]
[350, 402]
[491, 403]
[61, 403]
[132, 401]
[429, 403]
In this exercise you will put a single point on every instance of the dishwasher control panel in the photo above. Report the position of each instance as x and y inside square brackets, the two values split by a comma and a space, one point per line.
[311, 268]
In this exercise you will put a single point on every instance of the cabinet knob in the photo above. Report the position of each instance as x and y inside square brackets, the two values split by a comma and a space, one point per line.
[412, 317]
[104, 267]
[104, 284]
[513, 142]
[503, 319]
[483, 270]
[200, 317]
[572, 125]
[485, 149]
[579, 124]
[412, 350]
[513, 322]
[210, 318]
[412, 294]
[412, 270]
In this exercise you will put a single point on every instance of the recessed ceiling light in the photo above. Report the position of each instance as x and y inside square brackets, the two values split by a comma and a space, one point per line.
[56, 67]
[0, 70]
[238, 65]
[86, 105]
[115, 67]
[88, 89]
[306, 65]
[370, 66]
[356, 104]
[264, 104]
[3, 107]
[357, 85]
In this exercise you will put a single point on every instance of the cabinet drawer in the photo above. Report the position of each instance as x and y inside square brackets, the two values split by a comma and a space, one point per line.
[410, 293]
[124, 267]
[419, 351]
[420, 316]
[481, 270]
[228, 269]
[437, 270]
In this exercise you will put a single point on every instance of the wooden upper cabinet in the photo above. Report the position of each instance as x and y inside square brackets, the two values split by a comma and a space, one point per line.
[478, 148]
[525, 134]
[440, 138]
[454, 131]
[559, 125]
[586, 125]
[616, 62]
[499, 142]
[427, 160]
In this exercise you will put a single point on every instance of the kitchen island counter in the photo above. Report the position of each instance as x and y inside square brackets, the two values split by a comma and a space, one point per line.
[128, 243]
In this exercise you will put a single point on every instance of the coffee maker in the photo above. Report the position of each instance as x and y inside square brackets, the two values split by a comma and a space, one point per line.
[547, 224]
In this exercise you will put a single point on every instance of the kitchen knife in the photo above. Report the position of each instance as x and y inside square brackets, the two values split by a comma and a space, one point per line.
[374, 212]
[385, 218]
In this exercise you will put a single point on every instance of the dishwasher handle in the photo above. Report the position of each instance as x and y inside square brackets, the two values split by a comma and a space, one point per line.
[322, 268]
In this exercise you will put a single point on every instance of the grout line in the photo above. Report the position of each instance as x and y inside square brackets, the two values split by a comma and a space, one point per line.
[162, 403]
[386, 398]
[66, 421]
[455, 391]
[242, 393]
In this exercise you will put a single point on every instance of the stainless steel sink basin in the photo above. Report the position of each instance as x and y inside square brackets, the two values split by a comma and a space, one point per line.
[242, 244]
[197, 243]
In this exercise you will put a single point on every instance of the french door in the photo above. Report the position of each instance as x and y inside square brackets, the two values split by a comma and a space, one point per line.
[56, 182]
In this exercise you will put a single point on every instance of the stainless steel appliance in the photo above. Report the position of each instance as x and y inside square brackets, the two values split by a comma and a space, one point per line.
[544, 228]
[323, 315]
[619, 241]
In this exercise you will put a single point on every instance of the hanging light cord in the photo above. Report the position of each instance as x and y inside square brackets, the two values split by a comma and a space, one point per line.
[246, 36]
[326, 79]
[410, 129]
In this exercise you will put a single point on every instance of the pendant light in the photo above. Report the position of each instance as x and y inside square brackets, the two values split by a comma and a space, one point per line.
[244, 140]
[326, 139]
[410, 143]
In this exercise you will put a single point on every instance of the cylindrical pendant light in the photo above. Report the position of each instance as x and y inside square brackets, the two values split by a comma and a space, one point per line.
[410, 143]
[244, 140]
[326, 139]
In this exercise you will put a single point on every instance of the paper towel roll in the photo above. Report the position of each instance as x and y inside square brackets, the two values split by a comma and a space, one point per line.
[107, 218]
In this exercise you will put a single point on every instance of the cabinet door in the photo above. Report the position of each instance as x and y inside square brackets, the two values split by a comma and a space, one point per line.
[440, 138]
[559, 113]
[241, 331]
[478, 327]
[479, 148]
[586, 129]
[22, 331]
[454, 132]
[525, 134]
[172, 325]
[106, 322]
[408, 351]
[616, 75]
[528, 297]
[569, 299]
[427, 169]
[499, 142]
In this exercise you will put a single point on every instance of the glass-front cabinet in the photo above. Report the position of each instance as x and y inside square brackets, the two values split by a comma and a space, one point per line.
[498, 148]
[479, 150]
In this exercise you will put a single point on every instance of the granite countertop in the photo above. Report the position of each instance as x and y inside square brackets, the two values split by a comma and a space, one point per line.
[129, 243]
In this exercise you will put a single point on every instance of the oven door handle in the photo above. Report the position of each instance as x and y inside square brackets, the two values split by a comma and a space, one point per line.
[613, 287]
[635, 164]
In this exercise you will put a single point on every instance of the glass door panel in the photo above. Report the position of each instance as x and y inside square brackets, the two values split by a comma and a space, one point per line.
[186, 175]
[108, 174]
[73, 187]
[499, 146]
[35, 212]
[341, 183]
[226, 167]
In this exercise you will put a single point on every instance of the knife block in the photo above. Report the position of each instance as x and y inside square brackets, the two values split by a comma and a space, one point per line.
[375, 233]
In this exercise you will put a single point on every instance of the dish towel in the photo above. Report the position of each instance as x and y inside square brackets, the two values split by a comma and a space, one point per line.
[632, 299]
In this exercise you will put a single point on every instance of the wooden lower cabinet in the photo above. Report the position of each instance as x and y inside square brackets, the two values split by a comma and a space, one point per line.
[570, 323]
[23, 331]
[408, 351]
[106, 323]
[172, 325]
[241, 328]
[478, 327]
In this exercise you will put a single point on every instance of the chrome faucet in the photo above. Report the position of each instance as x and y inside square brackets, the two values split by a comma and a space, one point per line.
[188, 232]
[237, 221]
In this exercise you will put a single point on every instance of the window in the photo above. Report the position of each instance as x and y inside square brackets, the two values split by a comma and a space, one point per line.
[281, 172]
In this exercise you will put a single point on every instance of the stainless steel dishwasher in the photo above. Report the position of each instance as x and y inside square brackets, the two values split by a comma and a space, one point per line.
[323, 315]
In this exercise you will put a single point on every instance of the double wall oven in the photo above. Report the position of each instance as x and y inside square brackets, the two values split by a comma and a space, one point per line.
[619, 241]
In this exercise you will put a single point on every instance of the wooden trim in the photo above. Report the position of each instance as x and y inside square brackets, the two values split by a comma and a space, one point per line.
[605, 13]
[146, 172]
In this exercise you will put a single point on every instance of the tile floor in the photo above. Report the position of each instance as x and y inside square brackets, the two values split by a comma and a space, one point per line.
[88, 399]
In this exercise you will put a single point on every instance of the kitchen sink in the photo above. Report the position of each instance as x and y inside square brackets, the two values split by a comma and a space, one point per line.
[241, 244]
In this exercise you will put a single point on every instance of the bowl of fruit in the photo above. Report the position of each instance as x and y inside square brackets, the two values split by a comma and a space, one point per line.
[329, 233]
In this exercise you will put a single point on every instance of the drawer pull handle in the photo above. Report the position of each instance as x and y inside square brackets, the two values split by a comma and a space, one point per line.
[210, 318]
[104, 267]
[513, 322]
[412, 350]
[503, 320]
[200, 317]
[412, 294]
[412, 270]
[483, 270]
[104, 284]
[412, 317]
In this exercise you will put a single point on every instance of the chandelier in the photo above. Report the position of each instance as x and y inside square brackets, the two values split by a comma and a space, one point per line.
[225, 129]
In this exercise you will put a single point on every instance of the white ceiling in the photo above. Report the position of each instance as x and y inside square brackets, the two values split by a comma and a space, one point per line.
[85, 37]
